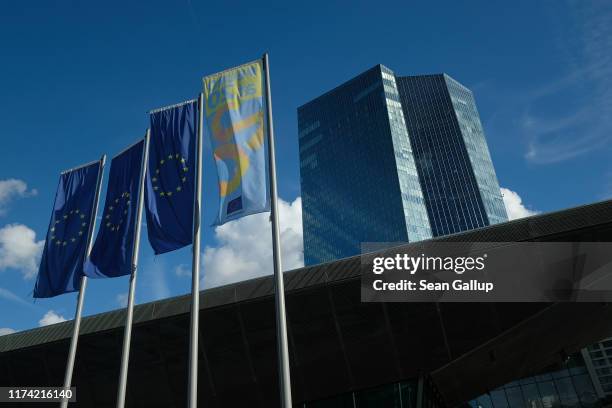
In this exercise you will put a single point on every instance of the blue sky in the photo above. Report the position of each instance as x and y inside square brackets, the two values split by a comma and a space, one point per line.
[77, 79]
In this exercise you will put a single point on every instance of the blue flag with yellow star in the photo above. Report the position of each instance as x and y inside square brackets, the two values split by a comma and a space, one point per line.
[61, 266]
[112, 251]
[169, 183]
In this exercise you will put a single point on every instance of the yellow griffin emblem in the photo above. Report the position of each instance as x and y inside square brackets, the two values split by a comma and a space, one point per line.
[228, 150]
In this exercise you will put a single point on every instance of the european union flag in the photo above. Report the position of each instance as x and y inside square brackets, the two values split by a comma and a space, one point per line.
[170, 177]
[111, 254]
[61, 266]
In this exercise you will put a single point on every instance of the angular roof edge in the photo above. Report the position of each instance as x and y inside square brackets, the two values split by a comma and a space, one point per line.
[524, 229]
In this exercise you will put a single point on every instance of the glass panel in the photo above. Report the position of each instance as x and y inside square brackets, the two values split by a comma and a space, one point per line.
[498, 397]
[532, 396]
[585, 391]
[567, 393]
[515, 397]
[548, 393]
[408, 391]
[484, 401]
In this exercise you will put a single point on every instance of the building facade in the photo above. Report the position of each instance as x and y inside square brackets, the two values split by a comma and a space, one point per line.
[392, 159]
[562, 385]
[598, 359]
[455, 168]
[358, 175]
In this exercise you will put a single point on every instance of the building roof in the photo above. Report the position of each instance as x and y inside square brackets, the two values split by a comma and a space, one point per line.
[332, 332]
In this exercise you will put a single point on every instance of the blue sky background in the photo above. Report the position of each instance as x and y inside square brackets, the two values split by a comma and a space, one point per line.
[77, 78]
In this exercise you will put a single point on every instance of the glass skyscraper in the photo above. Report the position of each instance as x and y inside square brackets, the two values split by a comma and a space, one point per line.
[358, 175]
[455, 169]
[366, 178]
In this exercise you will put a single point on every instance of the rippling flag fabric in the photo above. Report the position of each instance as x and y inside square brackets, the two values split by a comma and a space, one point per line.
[169, 183]
[112, 251]
[61, 266]
[235, 124]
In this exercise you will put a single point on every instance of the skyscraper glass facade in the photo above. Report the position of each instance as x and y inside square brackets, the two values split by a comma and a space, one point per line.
[389, 159]
[566, 385]
[358, 175]
[455, 168]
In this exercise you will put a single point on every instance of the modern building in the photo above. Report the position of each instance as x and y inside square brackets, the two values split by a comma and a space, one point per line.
[358, 175]
[390, 159]
[561, 385]
[344, 353]
[454, 164]
[598, 358]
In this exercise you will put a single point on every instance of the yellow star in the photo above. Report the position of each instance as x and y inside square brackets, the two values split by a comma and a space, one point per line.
[176, 156]
[83, 224]
[125, 211]
[57, 222]
[182, 160]
[161, 161]
[107, 216]
[155, 188]
[128, 202]
[170, 156]
[58, 243]
[73, 239]
[64, 243]
[52, 229]
[162, 194]
[184, 179]
[169, 193]
[65, 216]
[185, 168]
[71, 211]
[82, 216]
[156, 170]
[108, 224]
[113, 228]
[154, 179]
[80, 232]
[178, 188]
[76, 211]
[116, 200]
[111, 208]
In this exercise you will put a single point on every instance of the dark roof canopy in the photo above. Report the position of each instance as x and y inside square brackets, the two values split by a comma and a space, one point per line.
[337, 343]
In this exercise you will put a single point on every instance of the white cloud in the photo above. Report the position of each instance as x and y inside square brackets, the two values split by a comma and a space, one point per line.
[51, 318]
[11, 189]
[514, 205]
[6, 330]
[182, 270]
[245, 246]
[122, 299]
[19, 249]
[8, 295]
[154, 279]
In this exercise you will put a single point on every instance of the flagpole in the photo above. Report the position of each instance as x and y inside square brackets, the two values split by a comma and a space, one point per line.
[195, 267]
[127, 333]
[281, 319]
[79, 309]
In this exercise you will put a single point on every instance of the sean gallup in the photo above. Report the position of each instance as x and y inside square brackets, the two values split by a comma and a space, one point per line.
[424, 285]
